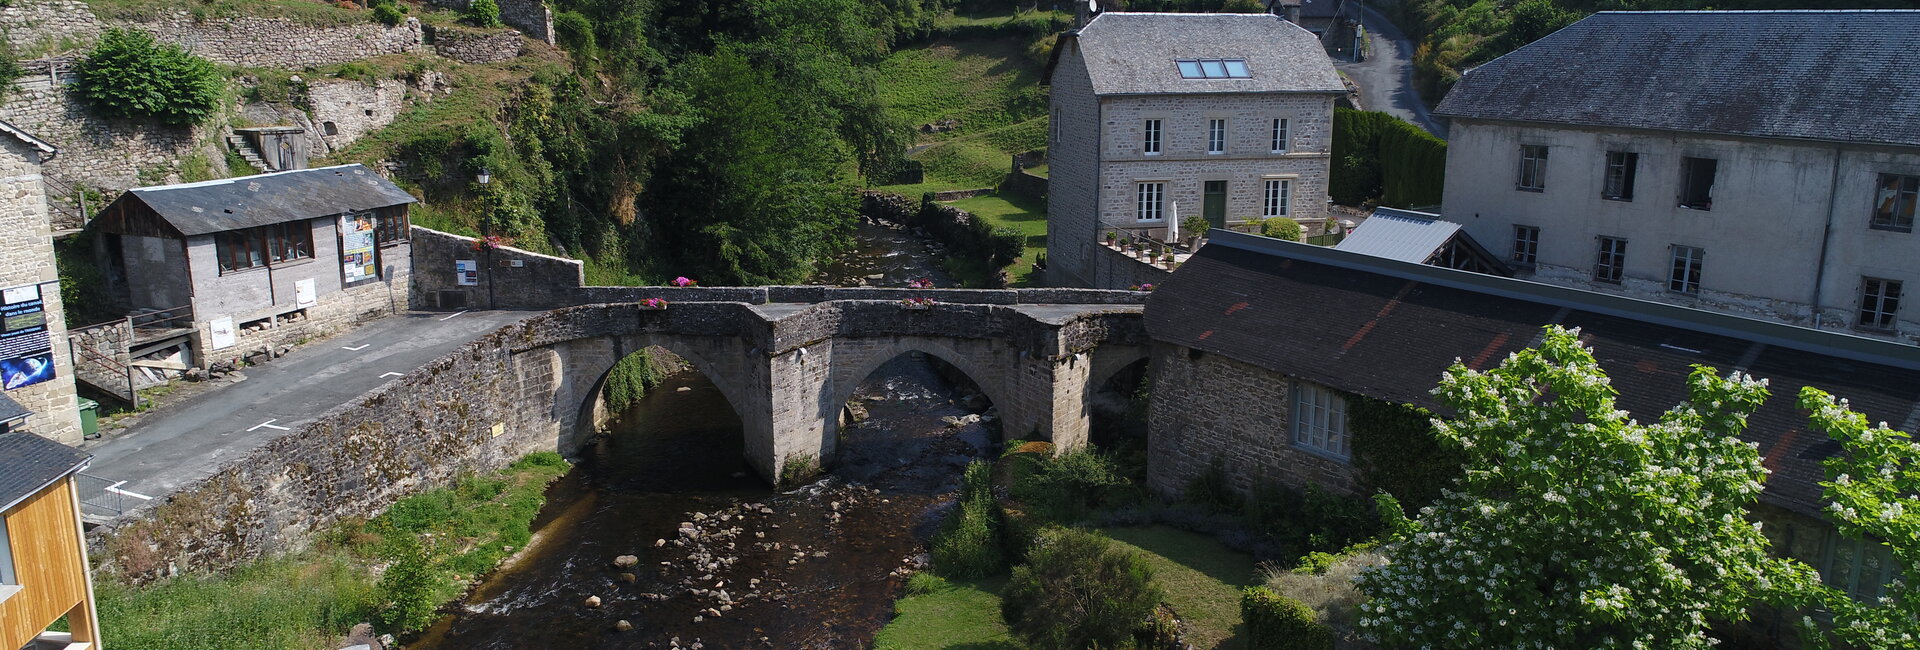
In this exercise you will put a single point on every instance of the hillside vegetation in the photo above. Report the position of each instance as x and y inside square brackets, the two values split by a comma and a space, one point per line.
[1455, 35]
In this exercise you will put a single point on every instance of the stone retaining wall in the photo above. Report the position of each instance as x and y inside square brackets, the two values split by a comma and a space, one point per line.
[245, 40]
[97, 151]
[531, 17]
[476, 46]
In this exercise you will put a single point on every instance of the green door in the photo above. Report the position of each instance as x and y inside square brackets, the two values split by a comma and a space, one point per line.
[1214, 205]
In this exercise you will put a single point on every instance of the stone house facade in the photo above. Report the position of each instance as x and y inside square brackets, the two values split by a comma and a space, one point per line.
[1703, 179]
[1156, 117]
[1260, 345]
[247, 264]
[29, 285]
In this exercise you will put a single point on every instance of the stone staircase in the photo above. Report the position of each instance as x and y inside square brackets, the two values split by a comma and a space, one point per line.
[240, 145]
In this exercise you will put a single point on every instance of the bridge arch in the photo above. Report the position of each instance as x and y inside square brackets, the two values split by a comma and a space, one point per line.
[853, 367]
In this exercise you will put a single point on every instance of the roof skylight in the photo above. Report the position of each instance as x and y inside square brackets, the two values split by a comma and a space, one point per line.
[1213, 68]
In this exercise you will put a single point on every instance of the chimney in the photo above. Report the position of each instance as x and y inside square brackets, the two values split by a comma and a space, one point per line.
[1083, 12]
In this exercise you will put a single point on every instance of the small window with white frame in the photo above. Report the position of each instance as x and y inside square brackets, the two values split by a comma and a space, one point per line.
[1319, 420]
[1610, 263]
[1278, 199]
[1150, 138]
[1526, 244]
[1533, 168]
[1685, 275]
[1879, 303]
[1217, 135]
[1152, 201]
[1862, 568]
[1282, 135]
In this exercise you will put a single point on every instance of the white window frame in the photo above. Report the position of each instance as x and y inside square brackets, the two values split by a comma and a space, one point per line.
[1150, 137]
[1282, 135]
[1526, 244]
[1320, 421]
[1882, 306]
[7, 575]
[1616, 184]
[1850, 577]
[1533, 169]
[1216, 135]
[1610, 262]
[1683, 275]
[1158, 208]
[1893, 207]
[1277, 198]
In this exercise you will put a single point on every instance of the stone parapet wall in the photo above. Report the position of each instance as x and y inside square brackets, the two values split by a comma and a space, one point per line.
[100, 356]
[476, 46]
[1113, 269]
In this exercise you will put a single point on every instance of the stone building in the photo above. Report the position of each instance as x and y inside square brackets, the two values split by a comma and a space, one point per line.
[35, 370]
[1765, 163]
[227, 268]
[1161, 116]
[1259, 345]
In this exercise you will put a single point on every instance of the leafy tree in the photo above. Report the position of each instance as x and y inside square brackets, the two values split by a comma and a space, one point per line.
[130, 75]
[1532, 20]
[484, 13]
[1575, 526]
[1078, 591]
[1874, 492]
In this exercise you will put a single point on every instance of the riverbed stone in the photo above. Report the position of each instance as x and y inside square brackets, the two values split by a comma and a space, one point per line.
[626, 561]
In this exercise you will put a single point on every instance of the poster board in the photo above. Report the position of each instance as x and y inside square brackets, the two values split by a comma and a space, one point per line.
[222, 333]
[303, 293]
[26, 349]
[467, 272]
[357, 261]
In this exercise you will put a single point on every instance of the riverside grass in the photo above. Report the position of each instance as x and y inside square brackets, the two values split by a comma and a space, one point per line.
[309, 600]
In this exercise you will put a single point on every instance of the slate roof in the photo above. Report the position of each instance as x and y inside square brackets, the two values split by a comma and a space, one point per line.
[12, 411]
[1847, 76]
[1388, 329]
[266, 199]
[29, 462]
[1134, 53]
[1403, 235]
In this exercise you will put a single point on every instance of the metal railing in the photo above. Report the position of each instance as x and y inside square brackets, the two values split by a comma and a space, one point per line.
[97, 496]
[167, 319]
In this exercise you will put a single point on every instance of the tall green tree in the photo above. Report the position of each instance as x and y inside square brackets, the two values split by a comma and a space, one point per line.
[1574, 525]
[1873, 490]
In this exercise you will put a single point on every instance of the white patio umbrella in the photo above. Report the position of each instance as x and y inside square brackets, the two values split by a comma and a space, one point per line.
[1173, 222]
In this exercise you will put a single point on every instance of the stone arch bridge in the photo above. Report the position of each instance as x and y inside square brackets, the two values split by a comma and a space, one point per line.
[789, 358]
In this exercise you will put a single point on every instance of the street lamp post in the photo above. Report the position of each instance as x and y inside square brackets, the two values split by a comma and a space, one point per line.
[486, 233]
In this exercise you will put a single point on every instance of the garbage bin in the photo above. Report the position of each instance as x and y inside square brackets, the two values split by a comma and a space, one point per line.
[89, 417]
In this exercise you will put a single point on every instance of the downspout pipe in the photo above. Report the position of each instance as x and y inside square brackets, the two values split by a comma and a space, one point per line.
[1826, 238]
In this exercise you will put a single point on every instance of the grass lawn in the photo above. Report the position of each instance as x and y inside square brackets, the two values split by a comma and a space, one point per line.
[1020, 213]
[1201, 577]
[988, 85]
[962, 614]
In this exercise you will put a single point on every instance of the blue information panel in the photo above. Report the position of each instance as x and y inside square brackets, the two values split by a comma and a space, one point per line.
[26, 351]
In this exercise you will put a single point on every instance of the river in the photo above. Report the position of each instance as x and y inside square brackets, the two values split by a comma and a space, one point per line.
[885, 256]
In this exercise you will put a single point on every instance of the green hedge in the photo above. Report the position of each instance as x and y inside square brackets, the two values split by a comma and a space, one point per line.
[1376, 155]
[1276, 622]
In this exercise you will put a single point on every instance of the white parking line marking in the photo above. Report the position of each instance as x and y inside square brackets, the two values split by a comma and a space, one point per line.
[457, 313]
[115, 488]
[362, 346]
[270, 425]
[390, 374]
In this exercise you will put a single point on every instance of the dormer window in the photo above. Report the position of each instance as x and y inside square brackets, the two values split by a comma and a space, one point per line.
[1213, 68]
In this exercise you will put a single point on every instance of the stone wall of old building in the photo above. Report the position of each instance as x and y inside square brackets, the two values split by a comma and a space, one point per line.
[26, 264]
[1206, 408]
[96, 151]
[343, 110]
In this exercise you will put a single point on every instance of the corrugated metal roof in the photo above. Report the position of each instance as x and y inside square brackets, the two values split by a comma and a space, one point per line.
[29, 462]
[1402, 235]
[234, 203]
[1134, 53]
[1847, 76]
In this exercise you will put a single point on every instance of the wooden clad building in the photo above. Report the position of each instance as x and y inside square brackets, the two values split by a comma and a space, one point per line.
[43, 554]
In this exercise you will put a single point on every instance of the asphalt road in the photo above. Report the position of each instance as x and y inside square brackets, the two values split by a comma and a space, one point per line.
[183, 442]
[1386, 78]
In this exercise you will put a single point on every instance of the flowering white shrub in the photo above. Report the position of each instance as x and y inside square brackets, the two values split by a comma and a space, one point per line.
[1575, 526]
[1873, 493]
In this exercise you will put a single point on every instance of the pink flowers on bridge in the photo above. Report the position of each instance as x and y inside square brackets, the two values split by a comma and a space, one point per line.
[682, 281]
[654, 303]
[923, 283]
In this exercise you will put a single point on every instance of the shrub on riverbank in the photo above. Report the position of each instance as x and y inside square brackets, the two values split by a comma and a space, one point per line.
[311, 599]
[969, 545]
[1079, 590]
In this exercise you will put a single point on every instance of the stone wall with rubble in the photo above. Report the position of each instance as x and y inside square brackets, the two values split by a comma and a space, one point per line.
[476, 46]
[95, 151]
